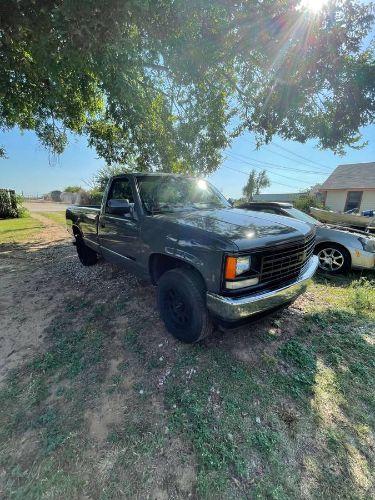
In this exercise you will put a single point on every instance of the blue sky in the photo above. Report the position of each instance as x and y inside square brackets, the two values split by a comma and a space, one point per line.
[28, 168]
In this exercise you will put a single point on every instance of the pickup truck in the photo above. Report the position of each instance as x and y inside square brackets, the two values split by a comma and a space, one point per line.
[211, 263]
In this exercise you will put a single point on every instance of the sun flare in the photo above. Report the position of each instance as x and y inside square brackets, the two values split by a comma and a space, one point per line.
[313, 5]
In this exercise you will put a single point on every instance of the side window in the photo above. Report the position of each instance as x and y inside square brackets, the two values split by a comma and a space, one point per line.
[121, 190]
[353, 200]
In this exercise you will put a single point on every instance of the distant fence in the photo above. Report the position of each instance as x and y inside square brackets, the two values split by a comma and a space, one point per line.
[32, 196]
[8, 204]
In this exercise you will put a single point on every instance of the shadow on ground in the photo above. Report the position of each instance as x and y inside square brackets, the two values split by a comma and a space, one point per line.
[110, 406]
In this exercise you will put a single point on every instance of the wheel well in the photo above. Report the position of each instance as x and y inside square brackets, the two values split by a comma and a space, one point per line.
[324, 244]
[161, 263]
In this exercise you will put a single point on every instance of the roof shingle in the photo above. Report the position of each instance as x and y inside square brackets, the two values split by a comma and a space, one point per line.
[352, 176]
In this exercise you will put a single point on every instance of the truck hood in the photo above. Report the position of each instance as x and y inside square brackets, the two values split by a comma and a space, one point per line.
[245, 228]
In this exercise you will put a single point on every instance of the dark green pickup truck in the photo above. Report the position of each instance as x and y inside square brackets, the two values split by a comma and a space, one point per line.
[212, 263]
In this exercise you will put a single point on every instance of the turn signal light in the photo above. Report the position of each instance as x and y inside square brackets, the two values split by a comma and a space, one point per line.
[230, 268]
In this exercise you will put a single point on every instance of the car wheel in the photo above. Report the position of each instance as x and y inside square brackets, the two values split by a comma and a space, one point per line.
[182, 305]
[86, 255]
[333, 259]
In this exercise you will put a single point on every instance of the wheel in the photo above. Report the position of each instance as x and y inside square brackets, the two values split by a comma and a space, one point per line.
[86, 255]
[333, 259]
[182, 305]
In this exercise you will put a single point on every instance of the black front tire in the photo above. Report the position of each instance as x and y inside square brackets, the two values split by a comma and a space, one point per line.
[182, 305]
[86, 255]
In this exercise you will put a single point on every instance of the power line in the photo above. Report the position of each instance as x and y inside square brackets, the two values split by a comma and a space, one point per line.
[277, 165]
[322, 172]
[299, 156]
[327, 171]
[247, 174]
[274, 173]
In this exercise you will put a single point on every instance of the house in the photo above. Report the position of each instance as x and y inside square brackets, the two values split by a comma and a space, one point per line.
[282, 197]
[350, 186]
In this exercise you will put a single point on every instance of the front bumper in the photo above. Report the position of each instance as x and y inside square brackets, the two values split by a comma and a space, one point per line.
[233, 309]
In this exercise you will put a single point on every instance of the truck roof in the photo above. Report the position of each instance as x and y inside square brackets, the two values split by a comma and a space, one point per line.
[151, 174]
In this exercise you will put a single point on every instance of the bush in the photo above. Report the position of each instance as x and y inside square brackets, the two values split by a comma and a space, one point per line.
[92, 197]
[362, 295]
[96, 196]
[22, 211]
[8, 204]
[305, 201]
[11, 205]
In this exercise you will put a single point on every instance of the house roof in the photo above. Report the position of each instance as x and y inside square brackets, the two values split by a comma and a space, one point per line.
[351, 176]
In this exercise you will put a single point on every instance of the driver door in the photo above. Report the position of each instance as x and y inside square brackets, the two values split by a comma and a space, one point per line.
[119, 234]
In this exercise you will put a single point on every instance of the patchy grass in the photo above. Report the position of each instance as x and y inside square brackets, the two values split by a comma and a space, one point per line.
[18, 230]
[302, 425]
[58, 217]
[111, 411]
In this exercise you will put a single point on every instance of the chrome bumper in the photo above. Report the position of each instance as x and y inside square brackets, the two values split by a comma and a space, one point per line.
[233, 309]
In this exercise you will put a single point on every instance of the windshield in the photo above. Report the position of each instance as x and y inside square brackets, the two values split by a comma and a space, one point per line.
[173, 193]
[297, 214]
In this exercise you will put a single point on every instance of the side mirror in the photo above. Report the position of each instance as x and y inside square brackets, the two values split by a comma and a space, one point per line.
[119, 207]
[230, 201]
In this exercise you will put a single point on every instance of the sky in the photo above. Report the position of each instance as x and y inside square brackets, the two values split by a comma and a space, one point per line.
[291, 166]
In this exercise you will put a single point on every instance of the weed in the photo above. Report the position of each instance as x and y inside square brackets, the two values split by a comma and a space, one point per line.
[362, 296]
[265, 440]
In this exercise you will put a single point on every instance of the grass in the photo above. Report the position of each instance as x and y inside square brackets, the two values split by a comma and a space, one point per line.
[297, 421]
[301, 425]
[18, 230]
[58, 217]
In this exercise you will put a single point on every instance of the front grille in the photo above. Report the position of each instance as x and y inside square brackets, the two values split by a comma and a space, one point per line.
[286, 262]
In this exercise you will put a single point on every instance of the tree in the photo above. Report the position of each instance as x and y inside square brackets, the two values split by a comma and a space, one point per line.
[100, 179]
[255, 183]
[72, 189]
[160, 81]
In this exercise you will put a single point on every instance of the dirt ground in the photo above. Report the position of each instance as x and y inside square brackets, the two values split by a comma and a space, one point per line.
[38, 275]
[44, 206]
[27, 296]
[106, 391]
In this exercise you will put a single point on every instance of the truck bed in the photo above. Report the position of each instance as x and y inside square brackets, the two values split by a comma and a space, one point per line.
[84, 207]
[84, 217]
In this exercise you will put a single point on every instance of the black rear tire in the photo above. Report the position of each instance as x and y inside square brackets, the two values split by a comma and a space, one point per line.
[333, 259]
[182, 305]
[86, 255]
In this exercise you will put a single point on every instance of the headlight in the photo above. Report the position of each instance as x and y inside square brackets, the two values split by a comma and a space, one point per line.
[368, 244]
[235, 267]
[243, 265]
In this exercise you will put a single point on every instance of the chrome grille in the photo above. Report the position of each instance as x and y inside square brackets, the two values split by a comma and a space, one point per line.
[287, 261]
